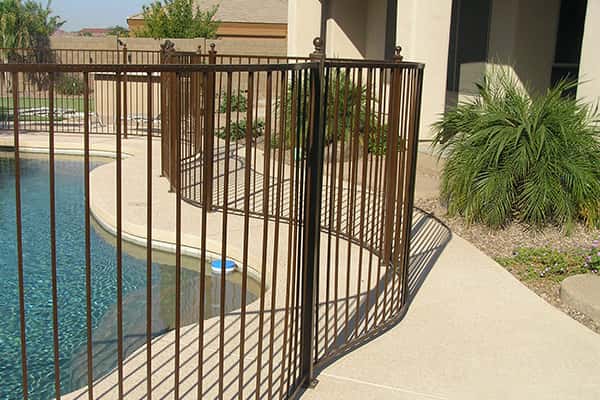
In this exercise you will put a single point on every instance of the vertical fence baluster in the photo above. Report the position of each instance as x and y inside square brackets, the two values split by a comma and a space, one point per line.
[275, 265]
[208, 159]
[125, 96]
[149, 166]
[265, 238]
[224, 237]
[19, 223]
[88, 257]
[247, 175]
[55, 341]
[176, 81]
[119, 209]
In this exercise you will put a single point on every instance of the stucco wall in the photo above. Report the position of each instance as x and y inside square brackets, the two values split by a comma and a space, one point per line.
[347, 29]
[357, 29]
[589, 70]
[229, 45]
[423, 31]
[375, 29]
[304, 24]
[523, 39]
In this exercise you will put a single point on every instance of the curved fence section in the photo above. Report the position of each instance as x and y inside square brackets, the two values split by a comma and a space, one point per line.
[264, 120]
[299, 172]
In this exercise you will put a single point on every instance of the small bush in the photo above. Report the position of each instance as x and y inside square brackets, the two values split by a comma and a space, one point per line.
[70, 85]
[345, 99]
[515, 157]
[592, 260]
[531, 264]
[238, 130]
[239, 102]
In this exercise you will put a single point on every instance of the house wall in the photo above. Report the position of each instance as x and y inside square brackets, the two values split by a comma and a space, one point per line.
[255, 30]
[304, 24]
[347, 29]
[356, 29]
[589, 70]
[226, 45]
[375, 29]
[236, 29]
[423, 31]
[522, 41]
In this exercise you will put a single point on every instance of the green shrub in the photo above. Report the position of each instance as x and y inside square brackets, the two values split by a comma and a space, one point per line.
[592, 260]
[239, 102]
[238, 130]
[516, 157]
[378, 139]
[343, 98]
[70, 85]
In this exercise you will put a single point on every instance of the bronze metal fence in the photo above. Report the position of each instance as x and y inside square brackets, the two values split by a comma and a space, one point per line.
[300, 170]
[69, 116]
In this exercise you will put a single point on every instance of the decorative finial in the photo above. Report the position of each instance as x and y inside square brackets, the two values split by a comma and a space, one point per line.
[318, 43]
[212, 47]
[167, 46]
[199, 49]
[398, 54]
[318, 53]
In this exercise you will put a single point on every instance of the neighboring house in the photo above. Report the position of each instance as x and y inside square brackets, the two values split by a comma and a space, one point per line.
[93, 32]
[540, 41]
[247, 26]
[245, 18]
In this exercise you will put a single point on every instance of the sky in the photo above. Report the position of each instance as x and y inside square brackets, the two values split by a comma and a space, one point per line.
[95, 13]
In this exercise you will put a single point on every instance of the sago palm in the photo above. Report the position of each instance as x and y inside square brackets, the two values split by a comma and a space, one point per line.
[516, 157]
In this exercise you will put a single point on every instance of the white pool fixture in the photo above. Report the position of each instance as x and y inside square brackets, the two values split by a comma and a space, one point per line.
[217, 266]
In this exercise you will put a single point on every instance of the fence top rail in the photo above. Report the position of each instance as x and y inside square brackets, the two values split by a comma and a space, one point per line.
[80, 50]
[141, 68]
[346, 62]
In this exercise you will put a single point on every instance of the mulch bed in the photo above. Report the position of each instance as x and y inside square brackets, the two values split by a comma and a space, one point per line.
[503, 243]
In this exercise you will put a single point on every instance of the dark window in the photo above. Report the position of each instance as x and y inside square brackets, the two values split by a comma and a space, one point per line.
[569, 40]
[469, 33]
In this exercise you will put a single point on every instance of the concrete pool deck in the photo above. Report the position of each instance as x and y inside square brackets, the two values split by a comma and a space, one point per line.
[472, 330]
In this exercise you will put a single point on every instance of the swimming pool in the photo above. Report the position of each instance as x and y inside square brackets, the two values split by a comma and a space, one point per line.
[70, 212]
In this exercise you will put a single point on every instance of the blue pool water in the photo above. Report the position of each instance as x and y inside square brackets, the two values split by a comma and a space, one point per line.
[71, 284]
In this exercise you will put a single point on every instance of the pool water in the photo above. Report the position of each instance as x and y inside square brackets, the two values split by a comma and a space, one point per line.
[70, 213]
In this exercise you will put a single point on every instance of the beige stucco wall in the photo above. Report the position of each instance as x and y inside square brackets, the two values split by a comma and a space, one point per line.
[375, 29]
[357, 29]
[589, 70]
[304, 24]
[228, 45]
[347, 29]
[423, 31]
[522, 40]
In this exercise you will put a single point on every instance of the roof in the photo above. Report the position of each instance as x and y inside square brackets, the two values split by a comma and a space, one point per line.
[93, 31]
[248, 11]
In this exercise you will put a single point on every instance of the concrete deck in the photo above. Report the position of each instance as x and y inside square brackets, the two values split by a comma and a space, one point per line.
[472, 331]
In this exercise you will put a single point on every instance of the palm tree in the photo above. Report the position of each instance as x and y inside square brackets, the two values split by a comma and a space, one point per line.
[26, 25]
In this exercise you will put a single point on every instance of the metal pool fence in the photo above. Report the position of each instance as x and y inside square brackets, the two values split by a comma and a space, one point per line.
[302, 170]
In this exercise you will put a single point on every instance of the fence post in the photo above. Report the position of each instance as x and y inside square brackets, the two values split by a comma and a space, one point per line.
[167, 50]
[312, 217]
[125, 101]
[413, 151]
[391, 160]
[196, 101]
[209, 131]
